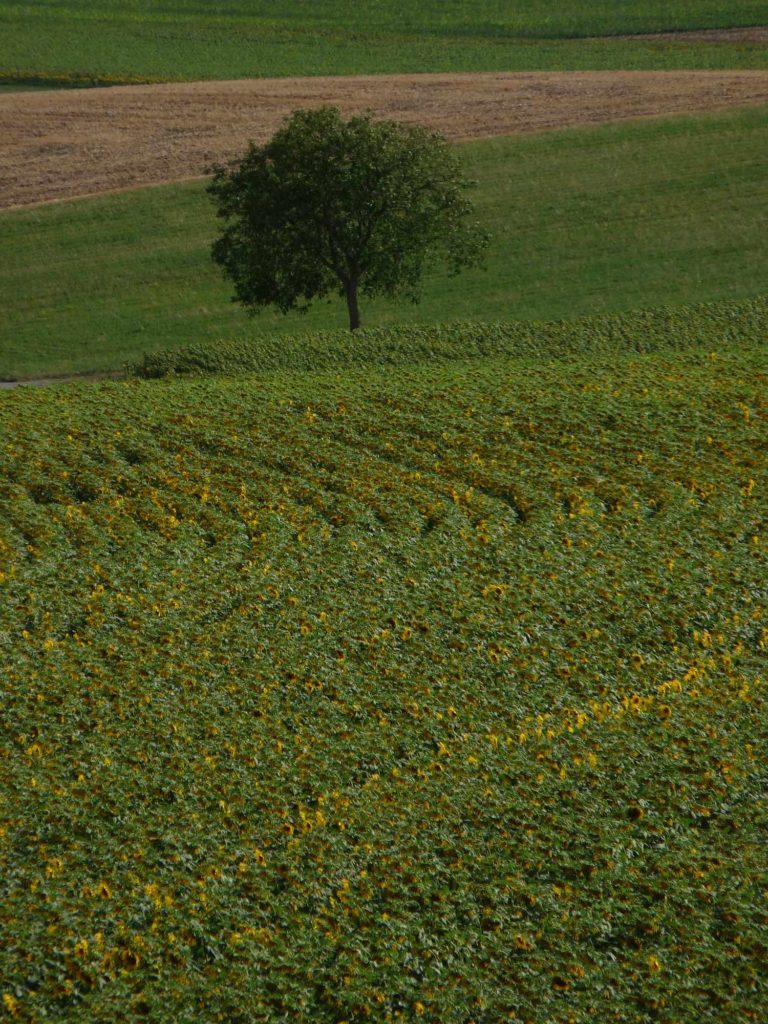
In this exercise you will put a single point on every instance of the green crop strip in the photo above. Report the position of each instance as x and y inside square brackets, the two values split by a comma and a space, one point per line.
[435, 694]
[111, 40]
[724, 323]
[667, 212]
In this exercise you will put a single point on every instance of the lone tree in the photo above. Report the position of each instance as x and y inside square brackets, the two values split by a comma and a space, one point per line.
[353, 207]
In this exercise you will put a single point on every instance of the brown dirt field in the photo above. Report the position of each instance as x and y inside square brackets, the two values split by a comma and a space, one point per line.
[61, 144]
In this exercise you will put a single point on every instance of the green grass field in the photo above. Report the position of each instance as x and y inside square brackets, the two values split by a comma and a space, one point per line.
[428, 695]
[587, 221]
[112, 40]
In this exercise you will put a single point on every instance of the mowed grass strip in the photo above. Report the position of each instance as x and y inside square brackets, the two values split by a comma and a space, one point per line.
[111, 40]
[585, 221]
[430, 695]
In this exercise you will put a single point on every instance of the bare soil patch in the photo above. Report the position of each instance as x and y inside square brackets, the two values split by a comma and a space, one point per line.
[62, 378]
[62, 144]
[754, 34]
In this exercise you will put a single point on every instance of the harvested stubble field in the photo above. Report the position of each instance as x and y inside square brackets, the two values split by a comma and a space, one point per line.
[60, 144]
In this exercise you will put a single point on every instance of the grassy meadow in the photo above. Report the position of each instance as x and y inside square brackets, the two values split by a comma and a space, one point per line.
[623, 216]
[434, 694]
[80, 41]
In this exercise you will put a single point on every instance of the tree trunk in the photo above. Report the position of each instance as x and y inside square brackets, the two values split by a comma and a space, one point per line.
[350, 290]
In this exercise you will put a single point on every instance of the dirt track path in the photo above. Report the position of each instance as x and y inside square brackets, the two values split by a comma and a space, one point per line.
[60, 144]
[62, 378]
[753, 34]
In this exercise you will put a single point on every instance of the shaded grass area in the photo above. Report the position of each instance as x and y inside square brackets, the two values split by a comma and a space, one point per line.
[24, 81]
[586, 221]
[20, 84]
[449, 683]
[114, 41]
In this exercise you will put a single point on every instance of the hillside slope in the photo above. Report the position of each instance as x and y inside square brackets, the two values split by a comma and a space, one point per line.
[429, 695]
[142, 135]
[83, 41]
[593, 220]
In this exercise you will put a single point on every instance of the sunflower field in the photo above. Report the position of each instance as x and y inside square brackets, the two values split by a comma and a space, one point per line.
[422, 694]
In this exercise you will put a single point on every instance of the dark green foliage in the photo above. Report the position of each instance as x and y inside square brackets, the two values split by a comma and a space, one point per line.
[355, 207]
[711, 323]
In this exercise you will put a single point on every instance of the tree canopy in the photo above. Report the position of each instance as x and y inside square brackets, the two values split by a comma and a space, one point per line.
[357, 207]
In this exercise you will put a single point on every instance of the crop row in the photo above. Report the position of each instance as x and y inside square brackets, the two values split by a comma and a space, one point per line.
[432, 694]
[714, 323]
